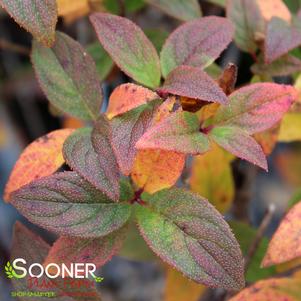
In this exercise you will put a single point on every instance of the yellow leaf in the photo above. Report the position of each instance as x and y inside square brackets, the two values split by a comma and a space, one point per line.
[290, 128]
[179, 288]
[211, 177]
[72, 10]
[286, 266]
[39, 159]
[268, 139]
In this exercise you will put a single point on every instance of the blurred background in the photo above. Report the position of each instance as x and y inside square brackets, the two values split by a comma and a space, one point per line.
[26, 115]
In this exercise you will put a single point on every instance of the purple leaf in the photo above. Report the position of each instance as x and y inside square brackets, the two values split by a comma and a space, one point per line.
[95, 163]
[127, 130]
[240, 144]
[196, 43]
[179, 132]
[281, 37]
[68, 205]
[256, 107]
[129, 48]
[193, 82]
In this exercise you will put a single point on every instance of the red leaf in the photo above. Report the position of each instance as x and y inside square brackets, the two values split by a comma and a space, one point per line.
[179, 132]
[196, 43]
[239, 143]
[193, 82]
[256, 107]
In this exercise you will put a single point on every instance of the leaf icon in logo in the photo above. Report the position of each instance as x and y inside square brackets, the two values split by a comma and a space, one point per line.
[10, 272]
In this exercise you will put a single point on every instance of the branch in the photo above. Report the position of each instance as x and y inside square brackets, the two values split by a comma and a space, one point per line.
[6, 45]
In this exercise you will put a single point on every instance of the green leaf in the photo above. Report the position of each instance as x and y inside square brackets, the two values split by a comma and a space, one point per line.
[221, 3]
[179, 132]
[68, 77]
[240, 144]
[194, 83]
[190, 234]
[104, 63]
[248, 22]
[196, 43]
[94, 160]
[296, 198]
[132, 6]
[257, 107]
[129, 48]
[67, 250]
[293, 5]
[127, 130]
[68, 205]
[245, 235]
[39, 17]
[183, 10]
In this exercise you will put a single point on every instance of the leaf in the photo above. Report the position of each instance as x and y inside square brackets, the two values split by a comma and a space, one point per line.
[180, 132]
[256, 107]
[286, 65]
[290, 128]
[127, 97]
[240, 144]
[39, 159]
[68, 205]
[221, 3]
[245, 235]
[71, 11]
[39, 17]
[281, 289]
[193, 82]
[155, 170]
[207, 37]
[129, 48]
[127, 130]
[182, 10]
[248, 21]
[67, 250]
[273, 8]
[211, 177]
[179, 288]
[228, 78]
[104, 63]
[135, 248]
[188, 233]
[268, 139]
[95, 163]
[281, 37]
[34, 250]
[285, 244]
[68, 77]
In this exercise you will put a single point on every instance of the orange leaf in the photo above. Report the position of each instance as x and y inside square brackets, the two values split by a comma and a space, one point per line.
[268, 139]
[179, 288]
[154, 170]
[127, 97]
[274, 8]
[282, 289]
[39, 159]
[286, 242]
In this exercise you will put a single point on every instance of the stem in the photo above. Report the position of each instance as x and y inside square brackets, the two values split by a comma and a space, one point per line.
[14, 47]
[259, 235]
